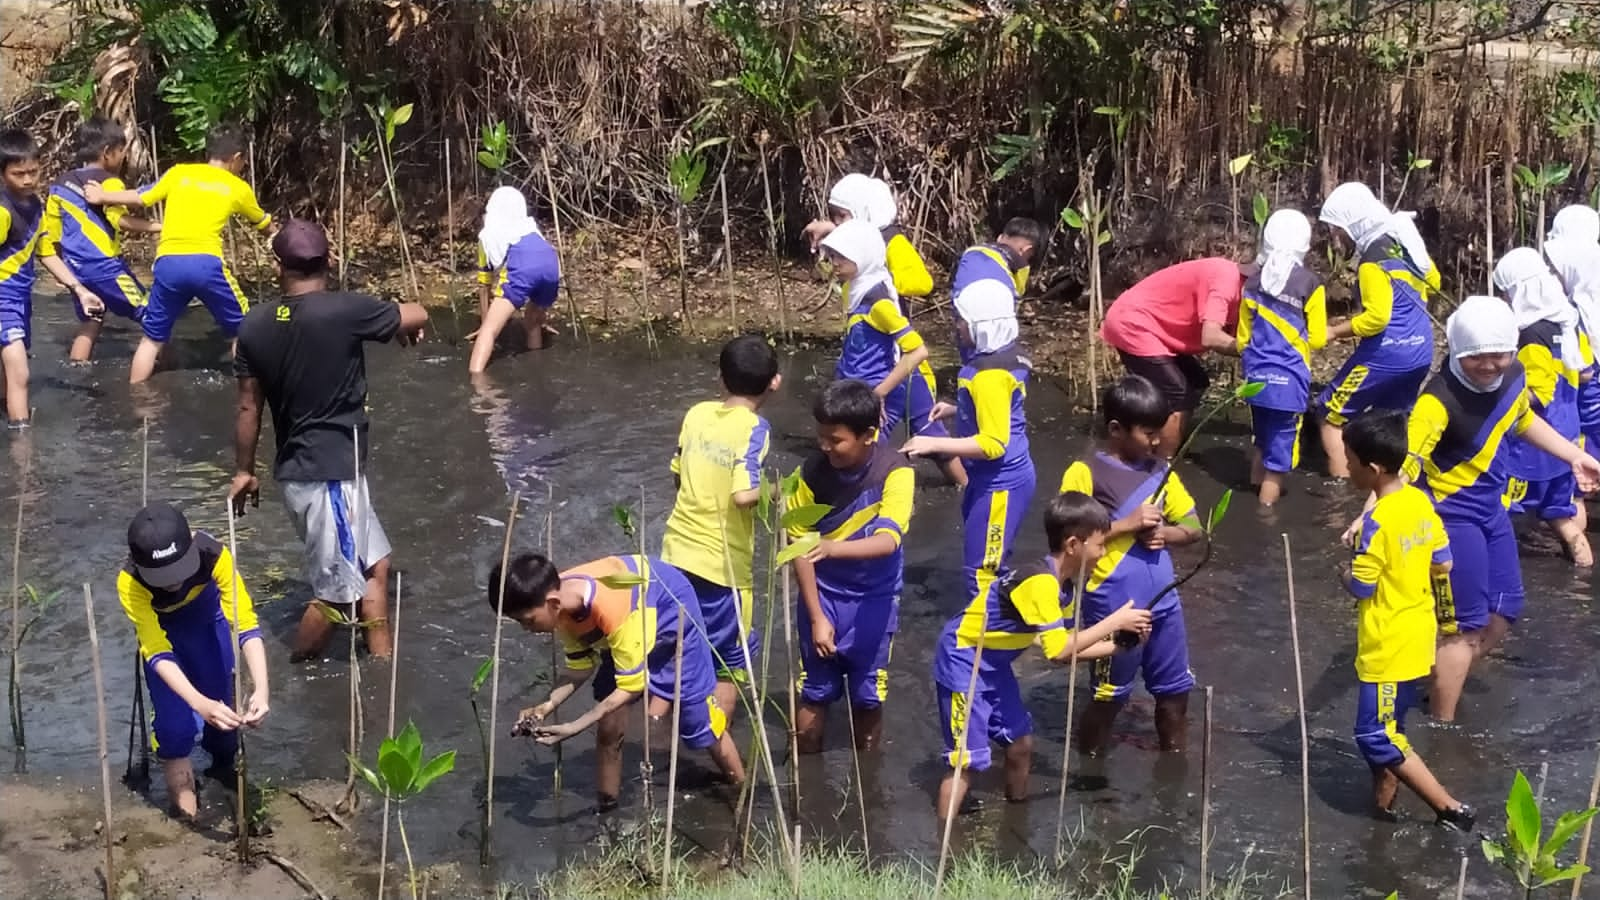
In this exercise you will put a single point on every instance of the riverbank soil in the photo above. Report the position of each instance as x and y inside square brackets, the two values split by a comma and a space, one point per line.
[51, 847]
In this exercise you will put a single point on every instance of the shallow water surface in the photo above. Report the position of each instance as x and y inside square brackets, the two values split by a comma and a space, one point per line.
[592, 427]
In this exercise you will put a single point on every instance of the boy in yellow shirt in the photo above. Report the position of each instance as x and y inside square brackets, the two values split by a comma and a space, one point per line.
[1400, 549]
[710, 535]
[200, 199]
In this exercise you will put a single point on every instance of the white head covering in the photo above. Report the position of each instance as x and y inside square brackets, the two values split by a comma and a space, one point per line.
[990, 310]
[1480, 325]
[1353, 208]
[853, 193]
[1573, 249]
[881, 210]
[861, 243]
[1536, 296]
[1578, 222]
[505, 221]
[1284, 242]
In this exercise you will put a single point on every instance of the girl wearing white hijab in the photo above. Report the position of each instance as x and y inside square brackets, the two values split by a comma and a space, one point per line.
[1282, 319]
[1459, 435]
[1394, 276]
[991, 431]
[871, 200]
[1573, 249]
[529, 274]
[1548, 350]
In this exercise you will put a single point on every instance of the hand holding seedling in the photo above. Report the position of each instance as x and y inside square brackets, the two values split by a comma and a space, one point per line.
[1131, 618]
[93, 306]
[219, 715]
[920, 446]
[246, 488]
[1146, 518]
[550, 735]
[941, 410]
[822, 550]
[256, 709]
[822, 636]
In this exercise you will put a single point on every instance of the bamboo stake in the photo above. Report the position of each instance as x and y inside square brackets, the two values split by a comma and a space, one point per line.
[772, 235]
[1527, 865]
[241, 819]
[561, 248]
[789, 648]
[18, 732]
[1488, 231]
[795, 880]
[1072, 698]
[672, 757]
[105, 754]
[958, 765]
[855, 758]
[555, 643]
[347, 803]
[494, 678]
[1205, 803]
[1305, 740]
[727, 251]
[394, 678]
[450, 236]
[1461, 881]
[136, 716]
[343, 150]
[1588, 829]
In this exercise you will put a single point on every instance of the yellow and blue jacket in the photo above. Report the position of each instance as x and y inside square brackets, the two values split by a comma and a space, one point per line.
[1276, 336]
[175, 623]
[1129, 570]
[1016, 611]
[991, 395]
[1553, 391]
[82, 234]
[1457, 439]
[873, 499]
[1396, 333]
[200, 199]
[20, 218]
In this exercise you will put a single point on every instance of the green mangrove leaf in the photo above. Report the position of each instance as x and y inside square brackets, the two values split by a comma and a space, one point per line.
[623, 516]
[1421, 163]
[1261, 210]
[401, 114]
[1393, 895]
[372, 778]
[1249, 389]
[764, 501]
[488, 161]
[1525, 175]
[800, 547]
[1072, 219]
[409, 740]
[1566, 826]
[1239, 163]
[1103, 239]
[1568, 874]
[332, 614]
[790, 485]
[394, 769]
[1108, 110]
[482, 675]
[707, 144]
[1220, 510]
[439, 765]
[621, 580]
[1494, 852]
[805, 516]
[1522, 819]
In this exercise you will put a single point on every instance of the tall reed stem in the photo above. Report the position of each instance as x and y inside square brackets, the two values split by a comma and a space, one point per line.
[394, 679]
[1305, 739]
[1461, 881]
[19, 735]
[727, 250]
[241, 816]
[1205, 802]
[106, 830]
[561, 248]
[555, 652]
[450, 236]
[339, 238]
[1488, 231]
[1588, 827]
[1072, 699]
[494, 677]
[855, 761]
[672, 756]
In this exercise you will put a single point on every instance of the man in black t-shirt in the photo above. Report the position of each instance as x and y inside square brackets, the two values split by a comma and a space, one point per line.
[303, 355]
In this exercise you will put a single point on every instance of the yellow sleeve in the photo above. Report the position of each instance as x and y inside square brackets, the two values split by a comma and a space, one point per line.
[153, 642]
[158, 191]
[1179, 506]
[1424, 427]
[885, 316]
[991, 391]
[245, 206]
[1377, 300]
[49, 227]
[802, 496]
[114, 214]
[1038, 601]
[5, 223]
[1522, 414]
[225, 577]
[580, 656]
[1019, 278]
[1316, 310]
[1542, 369]
[1078, 478]
[1433, 279]
[485, 273]
[894, 512]
[1247, 315]
[628, 652]
[677, 453]
[910, 273]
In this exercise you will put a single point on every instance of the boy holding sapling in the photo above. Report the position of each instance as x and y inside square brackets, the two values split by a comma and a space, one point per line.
[178, 589]
[850, 581]
[1150, 510]
[710, 535]
[618, 619]
[1019, 610]
[1400, 550]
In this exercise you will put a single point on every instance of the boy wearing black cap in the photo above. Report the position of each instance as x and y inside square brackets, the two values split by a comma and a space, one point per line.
[303, 357]
[179, 589]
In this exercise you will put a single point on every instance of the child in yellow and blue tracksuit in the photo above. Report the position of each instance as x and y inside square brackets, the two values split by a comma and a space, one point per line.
[710, 535]
[1394, 278]
[625, 637]
[1150, 510]
[1573, 248]
[980, 702]
[1007, 262]
[21, 214]
[1282, 319]
[185, 600]
[1542, 484]
[518, 270]
[850, 582]
[1400, 549]
[991, 431]
[84, 237]
[200, 198]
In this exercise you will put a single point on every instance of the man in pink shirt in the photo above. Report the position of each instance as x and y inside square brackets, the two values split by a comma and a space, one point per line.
[1162, 324]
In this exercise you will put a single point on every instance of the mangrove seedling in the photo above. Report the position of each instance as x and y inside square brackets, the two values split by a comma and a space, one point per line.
[685, 174]
[401, 775]
[1538, 183]
[1236, 167]
[478, 678]
[1524, 852]
[1260, 210]
[496, 149]
[37, 606]
[625, 519]
[386, 120]
[1089, 220]
[1238, 395]
[1413, 163]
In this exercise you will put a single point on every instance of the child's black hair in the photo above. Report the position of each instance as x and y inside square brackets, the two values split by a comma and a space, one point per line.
[850, 403]
[748, 364]
[16, 146]
[224, 142]
[1134, 402]
[1025, 228]
[1378, 438]
[94, 137]
[531, 578]
[1073, 514]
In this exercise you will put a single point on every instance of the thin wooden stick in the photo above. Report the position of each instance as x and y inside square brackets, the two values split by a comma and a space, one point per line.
[561, 249]
[347, 803]
[450, 236]
[1072, 697]
[1588, 829]
[1305, 740]
[1205, 802]
[772, 235]
[555, 642]
[1461, 881]
[241, 818]
[795, 879]
[855, 759]
[727, 251]
[340, 225]
[18, 732]
[1538, 797]
[672, 756]
[958, 765]
[105, 753]
[494, 678]
[394, 679]
[789, 647]
[1488, 232]
[136, 717]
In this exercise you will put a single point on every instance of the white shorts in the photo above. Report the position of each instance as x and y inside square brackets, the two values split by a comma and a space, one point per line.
[321, 512]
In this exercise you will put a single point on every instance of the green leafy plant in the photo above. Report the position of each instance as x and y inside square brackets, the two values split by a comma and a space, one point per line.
[686, 174]
[402, 775]
[386, 120]
[478, 679]
[1414, 163]
[496, 146]
[625, 519]
[1525, 853]
[1538, 183]
[37, 606]
[1260, 210]
[1236, 167]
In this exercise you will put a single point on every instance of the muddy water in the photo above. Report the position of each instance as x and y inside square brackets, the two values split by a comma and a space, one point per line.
[593, 425]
